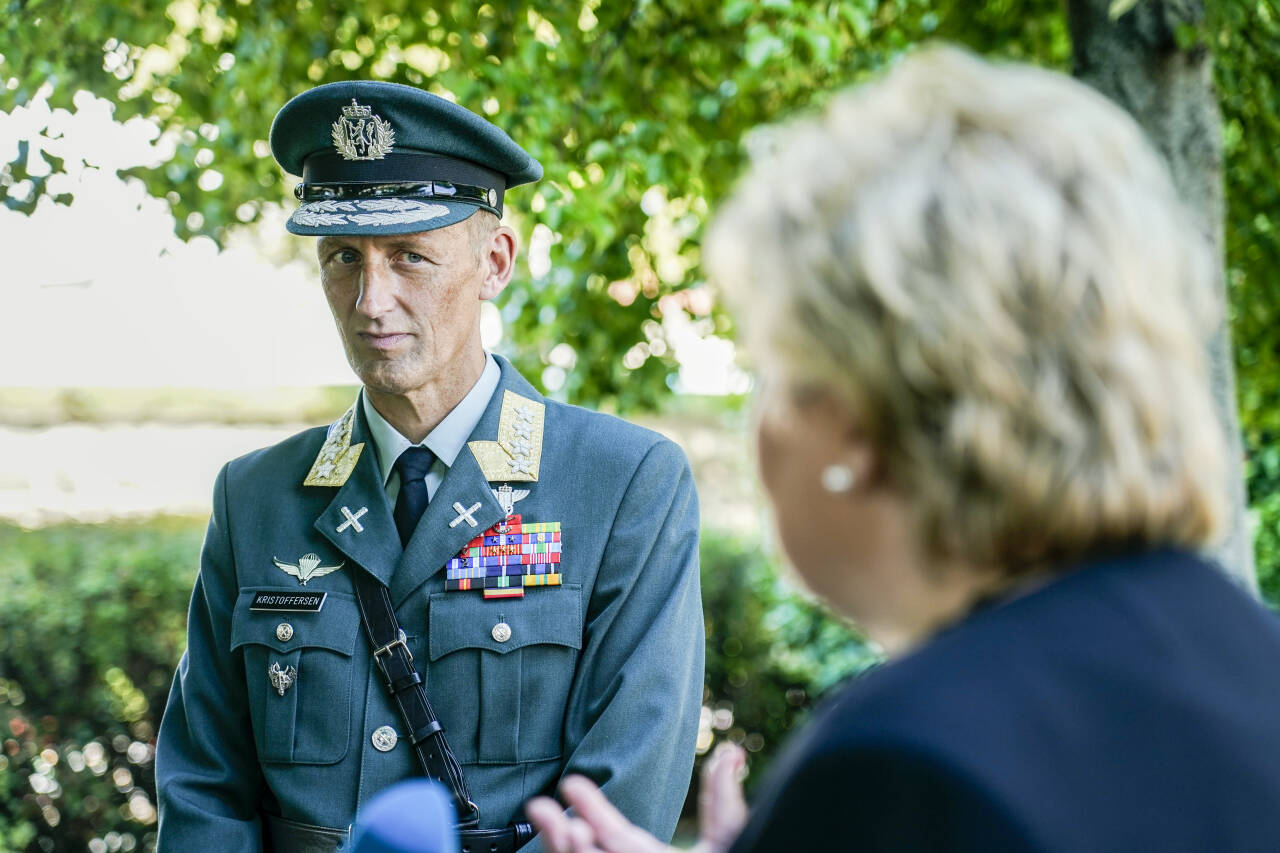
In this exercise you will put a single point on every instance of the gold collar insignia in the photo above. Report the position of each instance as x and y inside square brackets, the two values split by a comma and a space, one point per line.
[517, 453]
[338, 456]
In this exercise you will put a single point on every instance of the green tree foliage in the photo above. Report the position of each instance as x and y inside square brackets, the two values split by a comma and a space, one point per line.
[636, 110]
[614, 98]
[1246, 39]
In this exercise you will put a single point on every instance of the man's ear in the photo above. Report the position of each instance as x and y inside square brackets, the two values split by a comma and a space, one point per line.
[498, 258]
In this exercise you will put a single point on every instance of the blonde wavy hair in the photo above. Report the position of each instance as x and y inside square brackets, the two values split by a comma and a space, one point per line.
[987, 264]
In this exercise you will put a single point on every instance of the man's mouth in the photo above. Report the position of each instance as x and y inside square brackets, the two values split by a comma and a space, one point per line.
[383, 340]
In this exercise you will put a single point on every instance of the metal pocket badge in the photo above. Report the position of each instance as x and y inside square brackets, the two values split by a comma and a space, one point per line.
[282, 679]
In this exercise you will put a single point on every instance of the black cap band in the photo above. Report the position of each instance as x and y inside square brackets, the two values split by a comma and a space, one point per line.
[482, 197]
[328, 167]
[418, 173]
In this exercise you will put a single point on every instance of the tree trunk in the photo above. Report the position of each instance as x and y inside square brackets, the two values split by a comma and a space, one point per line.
[1136, 59]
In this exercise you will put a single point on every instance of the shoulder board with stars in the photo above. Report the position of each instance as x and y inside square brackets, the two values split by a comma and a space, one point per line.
[517, 454]
[338, 456]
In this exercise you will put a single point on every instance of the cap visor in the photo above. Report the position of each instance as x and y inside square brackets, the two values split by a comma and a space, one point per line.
[371, 216]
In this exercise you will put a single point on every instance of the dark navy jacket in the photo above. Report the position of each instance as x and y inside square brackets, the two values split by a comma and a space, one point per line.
[1131, 705]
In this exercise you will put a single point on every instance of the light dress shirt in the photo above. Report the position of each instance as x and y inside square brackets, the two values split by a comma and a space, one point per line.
[445, 441]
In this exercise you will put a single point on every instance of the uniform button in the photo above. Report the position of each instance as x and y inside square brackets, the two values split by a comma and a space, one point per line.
[384, 738]
[284, 632]
[501, 632]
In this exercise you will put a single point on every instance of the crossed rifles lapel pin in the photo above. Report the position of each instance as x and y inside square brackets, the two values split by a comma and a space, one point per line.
[514, 553]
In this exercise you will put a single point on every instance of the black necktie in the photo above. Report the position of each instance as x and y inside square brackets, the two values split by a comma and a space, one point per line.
[412, 466]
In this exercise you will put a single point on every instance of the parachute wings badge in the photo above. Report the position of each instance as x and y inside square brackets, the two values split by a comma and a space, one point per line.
[308, 568]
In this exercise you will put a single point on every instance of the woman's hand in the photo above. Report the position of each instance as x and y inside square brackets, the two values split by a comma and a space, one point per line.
[722, 812]
[598, 827]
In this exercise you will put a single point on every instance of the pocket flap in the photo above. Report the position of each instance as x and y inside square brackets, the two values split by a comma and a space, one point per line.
[335, 627]
[466, 620]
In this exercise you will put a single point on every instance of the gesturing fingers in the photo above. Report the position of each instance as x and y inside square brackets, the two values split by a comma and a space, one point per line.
[552, 824]
[613, 831]
[722, 811]
[584, 839]
[596, 826]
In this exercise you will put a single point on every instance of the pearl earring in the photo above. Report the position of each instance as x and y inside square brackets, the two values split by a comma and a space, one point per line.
[838, 479]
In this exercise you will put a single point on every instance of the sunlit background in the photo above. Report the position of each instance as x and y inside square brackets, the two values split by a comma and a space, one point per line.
[110, 317]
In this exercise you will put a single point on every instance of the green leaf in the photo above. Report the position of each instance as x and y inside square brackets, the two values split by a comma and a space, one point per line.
[1119, 8]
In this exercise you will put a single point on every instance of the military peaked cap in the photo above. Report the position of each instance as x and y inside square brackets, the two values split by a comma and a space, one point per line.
[382, 158]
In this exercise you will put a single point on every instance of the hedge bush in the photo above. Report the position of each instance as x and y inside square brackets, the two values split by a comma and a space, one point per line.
[91, 625]
[770, 652]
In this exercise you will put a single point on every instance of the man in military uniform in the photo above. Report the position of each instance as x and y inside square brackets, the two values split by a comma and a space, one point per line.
[541, 559]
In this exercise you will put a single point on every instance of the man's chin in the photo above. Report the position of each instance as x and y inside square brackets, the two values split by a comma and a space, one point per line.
[384, 378]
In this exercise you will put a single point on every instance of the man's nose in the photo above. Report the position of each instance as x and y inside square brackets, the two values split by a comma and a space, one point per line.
[377, 288]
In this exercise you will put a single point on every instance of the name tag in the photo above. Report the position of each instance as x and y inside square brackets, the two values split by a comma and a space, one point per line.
[288, 602]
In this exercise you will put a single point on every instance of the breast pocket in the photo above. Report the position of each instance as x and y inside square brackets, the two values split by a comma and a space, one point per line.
[299, 672]
[501, 671]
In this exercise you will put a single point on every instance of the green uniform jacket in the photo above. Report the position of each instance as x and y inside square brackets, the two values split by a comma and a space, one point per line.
[601, 675]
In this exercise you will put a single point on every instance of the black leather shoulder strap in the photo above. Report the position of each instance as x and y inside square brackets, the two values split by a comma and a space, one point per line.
[404, 683]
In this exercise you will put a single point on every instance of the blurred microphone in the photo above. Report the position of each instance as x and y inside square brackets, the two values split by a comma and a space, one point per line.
[410, 817]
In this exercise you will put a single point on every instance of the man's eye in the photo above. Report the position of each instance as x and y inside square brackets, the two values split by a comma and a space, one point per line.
[346, 256]
[413, 257]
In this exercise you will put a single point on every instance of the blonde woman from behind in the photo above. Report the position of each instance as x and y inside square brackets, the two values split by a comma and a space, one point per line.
[985, 430]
